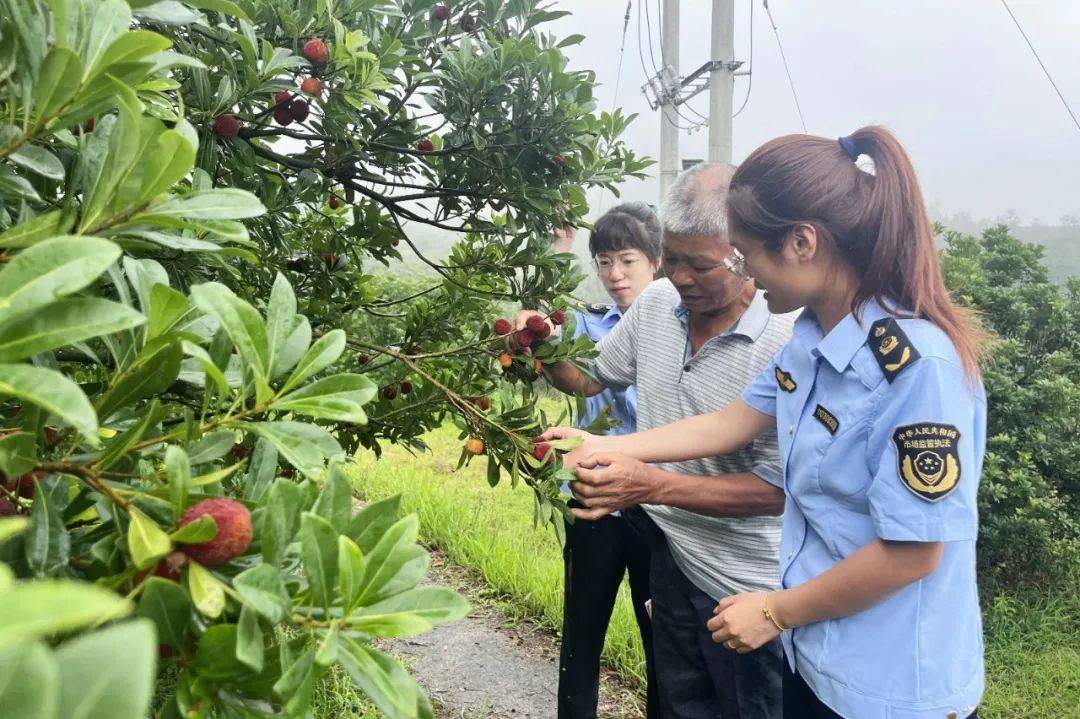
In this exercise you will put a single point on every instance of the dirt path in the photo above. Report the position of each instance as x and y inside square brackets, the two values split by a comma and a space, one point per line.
[485, 667]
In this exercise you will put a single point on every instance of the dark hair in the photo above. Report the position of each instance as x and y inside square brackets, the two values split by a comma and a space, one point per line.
[629, 226]
[876, 222]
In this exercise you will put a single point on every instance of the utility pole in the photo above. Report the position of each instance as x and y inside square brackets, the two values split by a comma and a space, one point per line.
[669, 118]
[722, 80]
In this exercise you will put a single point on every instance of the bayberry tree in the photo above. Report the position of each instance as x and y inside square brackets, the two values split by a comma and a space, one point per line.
[192, 342]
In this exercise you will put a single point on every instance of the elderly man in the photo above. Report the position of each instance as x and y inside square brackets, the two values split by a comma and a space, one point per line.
[690, 344]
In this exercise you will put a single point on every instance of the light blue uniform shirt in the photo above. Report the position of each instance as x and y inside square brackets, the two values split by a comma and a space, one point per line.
[881, 437]
[623, 402]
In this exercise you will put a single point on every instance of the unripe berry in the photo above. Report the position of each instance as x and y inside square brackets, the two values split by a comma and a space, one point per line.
[538, 366]
[311, 86]
[316, 52]
[474, 446]
[233, 531]
[299, 109]
[557, 317]
[334, 202]
[502, 326]
[425, 145]
[506, 360]
[226, 126]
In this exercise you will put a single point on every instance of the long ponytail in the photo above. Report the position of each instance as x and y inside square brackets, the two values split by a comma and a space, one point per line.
[877, 222]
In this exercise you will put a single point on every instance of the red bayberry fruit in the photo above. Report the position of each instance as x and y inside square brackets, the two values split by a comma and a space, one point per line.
[334, 202]
[362, 359]
[287, 473]
[316, 52]
[311, 86]
[389, 392]
[467, 23]
[474, 446]
[299, 110]
[233, 531]
[226, 126]
[541, 450]
[483, 403]
[170, 566]
[524, 338]
[441, 13]
[557, 317]
[328, 258]
[282, 99]
[239, 451]
[7, 507]
[538, 365]
[406, 387]
[295, 265]
[425, 145]
[502, 326]
[506, 360]
[89, 126]
[26, 484]
[52, 436]
[283, 116]
[538, 327]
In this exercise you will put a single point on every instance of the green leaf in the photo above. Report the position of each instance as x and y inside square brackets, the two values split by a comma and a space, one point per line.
[109, 674]
[384, 681]
[318, 548]
[207, 591]
[263, 589]
[18, 453]
[241, 322]
[199, 531]
[279, 520]
[109, 20]
[62, 324]
[371, 523]
[131, 46]
[52, 269]
[216, 204]
[167, 605]
[178, 471]
[119, 445]
[29, 232]
[327, 653]
[261, 470]
[155, 368]
[29, 683]
[38, 609]
[412, 612]
[210, 369]
[54, 393]
[147, 542]
[305, 446]
[12, 527]
[225, 7]
[249, 640]
[319, 356]
[351, 565]
[170, 160]
[48, 543]
[39, 161]
[169, 12]
[167, 306]
[280, 318]
[339, 397]
[335, 501]
[211, 447]
[59, 78]
[396, 563]
[215, 657]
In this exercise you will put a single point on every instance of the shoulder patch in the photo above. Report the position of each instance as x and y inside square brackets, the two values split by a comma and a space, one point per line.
[891, 347]
[827, 418]
[598, 308]
[785, 381]
[928, 458]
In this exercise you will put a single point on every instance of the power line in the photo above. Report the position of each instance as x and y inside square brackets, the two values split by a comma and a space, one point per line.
[618, 80]
[1042, 65]
[783, 57]
[750, 68]
[692, 123]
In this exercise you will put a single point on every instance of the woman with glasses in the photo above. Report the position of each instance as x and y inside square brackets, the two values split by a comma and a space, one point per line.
[882, 423]
[625, 248]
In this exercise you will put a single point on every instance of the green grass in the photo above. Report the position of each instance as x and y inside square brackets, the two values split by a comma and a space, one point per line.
[1032, 643]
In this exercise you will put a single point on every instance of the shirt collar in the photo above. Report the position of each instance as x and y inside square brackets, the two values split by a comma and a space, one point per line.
[613, 313]
[843, 341]
[750, 325]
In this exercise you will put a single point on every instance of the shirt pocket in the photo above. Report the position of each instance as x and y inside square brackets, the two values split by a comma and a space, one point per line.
[843, 473]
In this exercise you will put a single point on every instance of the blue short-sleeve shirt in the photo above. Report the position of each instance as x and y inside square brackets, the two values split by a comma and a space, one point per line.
[597, 323]
[882, 436]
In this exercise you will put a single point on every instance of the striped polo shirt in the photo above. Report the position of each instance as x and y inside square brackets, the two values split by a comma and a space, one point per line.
[650, 348]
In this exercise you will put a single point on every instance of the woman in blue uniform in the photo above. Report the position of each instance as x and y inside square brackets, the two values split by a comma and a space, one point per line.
[881, 417]
[625, 247]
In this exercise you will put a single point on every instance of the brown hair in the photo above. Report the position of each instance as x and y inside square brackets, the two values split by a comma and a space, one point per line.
[876, 222]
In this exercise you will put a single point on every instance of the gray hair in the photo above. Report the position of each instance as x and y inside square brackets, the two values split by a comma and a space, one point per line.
[695, 204]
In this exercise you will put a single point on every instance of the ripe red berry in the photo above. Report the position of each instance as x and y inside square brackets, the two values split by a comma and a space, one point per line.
[362, 359]
[7, 507]
[311, 86]
[502, 326]
[524, 338]
[282, 99]
[389, 392]
[287, 473]
[441, 12]
[559, 160]
[233, 531]
[328, 258]
[299, 109]
[239, 451]
[538, 327]
[425, 145]
[283, 116]
[406, 387]
[25, 484]
[540, 452]
[334, 202]
[467, 23]
[483, 403]
[316, 52]
[557, 317]
[89, 126]
[52, 436]
[226, 126]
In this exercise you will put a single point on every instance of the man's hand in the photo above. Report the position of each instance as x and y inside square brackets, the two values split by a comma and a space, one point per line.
[608, 482]
[590, 443]
[563, 238]
[740, 624]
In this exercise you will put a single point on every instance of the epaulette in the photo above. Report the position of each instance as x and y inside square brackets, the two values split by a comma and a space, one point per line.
[598, 308]
[891, 347]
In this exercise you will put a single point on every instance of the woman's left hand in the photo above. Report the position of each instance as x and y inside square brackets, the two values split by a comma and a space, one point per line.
[740, 624]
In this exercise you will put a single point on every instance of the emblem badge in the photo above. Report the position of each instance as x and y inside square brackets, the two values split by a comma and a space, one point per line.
[785, 381]
[895, 352]
[928, 458]
[827, 418]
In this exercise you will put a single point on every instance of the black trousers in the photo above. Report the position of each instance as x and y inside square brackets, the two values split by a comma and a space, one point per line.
[801, 703]
[595, 557]
[698, 678]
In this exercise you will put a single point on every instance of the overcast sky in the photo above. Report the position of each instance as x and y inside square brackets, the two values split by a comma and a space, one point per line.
[954, 80]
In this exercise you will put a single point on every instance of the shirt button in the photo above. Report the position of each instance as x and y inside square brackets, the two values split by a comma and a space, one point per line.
[791, 430]
[951, 715]
[686, 367]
